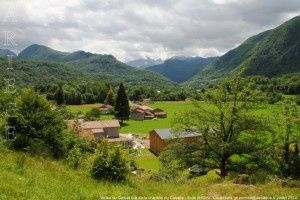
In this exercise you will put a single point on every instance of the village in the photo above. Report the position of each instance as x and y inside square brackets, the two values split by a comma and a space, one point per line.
[155, 141]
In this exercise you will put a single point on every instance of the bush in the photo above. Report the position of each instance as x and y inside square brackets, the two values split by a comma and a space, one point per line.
[93, 114]
[171, 172]
[111, 164]
[75, 157]
[35, 120]
[291, 183]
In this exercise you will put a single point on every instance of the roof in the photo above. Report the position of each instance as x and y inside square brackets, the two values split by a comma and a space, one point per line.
[137, 110]
[166, 133]
[145, 107]
[101, 124]
[160, 113]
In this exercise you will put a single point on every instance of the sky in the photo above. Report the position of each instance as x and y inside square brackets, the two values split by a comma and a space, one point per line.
[131, 29]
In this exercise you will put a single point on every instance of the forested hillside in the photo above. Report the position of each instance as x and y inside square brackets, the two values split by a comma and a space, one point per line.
[181, 69]
[271, 53]
[105, 66]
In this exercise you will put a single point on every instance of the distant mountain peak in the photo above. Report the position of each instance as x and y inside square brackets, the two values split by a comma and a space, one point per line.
[7, 52]
[181, 68]
[144, 62]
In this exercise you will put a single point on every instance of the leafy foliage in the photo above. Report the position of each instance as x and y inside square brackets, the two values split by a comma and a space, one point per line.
[35, 122]
[228, 129]
[111, 164]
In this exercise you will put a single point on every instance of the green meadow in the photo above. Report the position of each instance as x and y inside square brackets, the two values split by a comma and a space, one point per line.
[173, 109]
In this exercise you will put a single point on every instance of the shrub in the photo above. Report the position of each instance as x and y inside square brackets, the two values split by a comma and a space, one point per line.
[111, 164]
[75, 157]
[36, 120]
[171, 172]
[93, 114]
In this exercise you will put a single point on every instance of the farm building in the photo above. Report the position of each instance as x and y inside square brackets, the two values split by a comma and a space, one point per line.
[146, 112]
[159, 113]
[106, 109]
[160, 138]
[96, 130]
[136, 114]
[141, 113]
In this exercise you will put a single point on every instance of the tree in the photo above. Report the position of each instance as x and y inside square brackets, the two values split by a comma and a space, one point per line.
[122, 108]
[110, 98]
[35, 122]
[226, 126]
[59, 96]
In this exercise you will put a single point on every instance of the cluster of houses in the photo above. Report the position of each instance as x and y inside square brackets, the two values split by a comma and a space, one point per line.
[141, 112]
[110, 129]
[137, 112]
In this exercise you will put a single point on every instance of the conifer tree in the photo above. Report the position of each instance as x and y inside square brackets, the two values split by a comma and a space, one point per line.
[60, 97]
[122, 105]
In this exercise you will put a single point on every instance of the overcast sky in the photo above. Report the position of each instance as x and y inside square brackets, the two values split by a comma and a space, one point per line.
[131, 29]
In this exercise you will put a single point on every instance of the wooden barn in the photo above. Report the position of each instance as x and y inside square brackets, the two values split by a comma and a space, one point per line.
[160, 138]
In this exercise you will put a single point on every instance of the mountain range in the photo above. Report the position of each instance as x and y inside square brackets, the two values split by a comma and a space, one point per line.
[271, 53]
[180, 69]
[107, 67]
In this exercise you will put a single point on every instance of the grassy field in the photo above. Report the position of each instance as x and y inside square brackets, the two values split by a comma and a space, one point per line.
[25, 177]
[147, 160]
[143, 127]
[172, 109]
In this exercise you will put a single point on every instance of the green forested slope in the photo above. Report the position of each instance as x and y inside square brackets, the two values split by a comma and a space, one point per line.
[181, 69]
[105, 66]
[271, 53]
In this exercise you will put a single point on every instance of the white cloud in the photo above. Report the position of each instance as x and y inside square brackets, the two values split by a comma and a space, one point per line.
[130, 29]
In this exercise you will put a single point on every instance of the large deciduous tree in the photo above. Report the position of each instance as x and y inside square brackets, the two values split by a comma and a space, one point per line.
[226, 125]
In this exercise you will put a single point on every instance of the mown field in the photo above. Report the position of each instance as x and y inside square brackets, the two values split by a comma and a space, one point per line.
[173, 109]
[23, 176]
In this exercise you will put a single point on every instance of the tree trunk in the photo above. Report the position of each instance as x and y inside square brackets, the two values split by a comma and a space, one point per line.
[223, 170]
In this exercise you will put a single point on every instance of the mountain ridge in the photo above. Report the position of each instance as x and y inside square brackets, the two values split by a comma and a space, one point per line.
[104, 65]
[180, 69]
[271, 53]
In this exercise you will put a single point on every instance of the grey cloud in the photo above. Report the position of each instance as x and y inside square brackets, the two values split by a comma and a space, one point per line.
[130, 29]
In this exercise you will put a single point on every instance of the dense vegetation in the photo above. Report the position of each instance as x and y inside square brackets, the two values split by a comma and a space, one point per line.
[86, 158]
